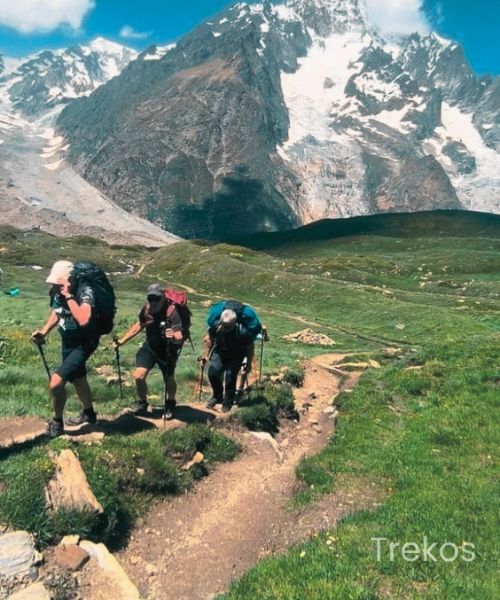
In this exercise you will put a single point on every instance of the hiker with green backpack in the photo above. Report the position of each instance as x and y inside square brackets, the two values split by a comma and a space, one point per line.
[229, 347]
[82, 304]
[166, 320]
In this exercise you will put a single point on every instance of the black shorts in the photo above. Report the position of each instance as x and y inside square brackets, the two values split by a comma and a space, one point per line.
[147, 359]
[74, 359]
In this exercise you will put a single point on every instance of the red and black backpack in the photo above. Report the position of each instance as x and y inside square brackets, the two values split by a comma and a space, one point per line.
[178, 300]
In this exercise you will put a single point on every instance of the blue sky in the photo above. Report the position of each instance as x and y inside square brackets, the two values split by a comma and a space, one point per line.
[30, 25]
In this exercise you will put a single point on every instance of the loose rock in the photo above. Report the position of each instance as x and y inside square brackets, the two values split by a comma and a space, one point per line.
[71, 557]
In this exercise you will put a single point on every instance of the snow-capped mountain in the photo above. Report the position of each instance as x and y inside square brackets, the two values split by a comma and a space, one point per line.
[38, 188]
[42, 81]
[273, 115]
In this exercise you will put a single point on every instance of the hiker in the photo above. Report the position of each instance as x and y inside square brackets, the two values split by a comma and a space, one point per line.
[165, 334]
[74, 314]
[228, 348]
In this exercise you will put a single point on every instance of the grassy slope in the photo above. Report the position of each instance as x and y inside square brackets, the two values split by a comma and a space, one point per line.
[428, 437]
[419, 432]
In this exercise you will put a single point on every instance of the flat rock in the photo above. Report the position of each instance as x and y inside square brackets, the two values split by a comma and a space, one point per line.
[36, 591]
[71, 557]
[123, 588]
[18, 556]
[70, 489]
[19, 430]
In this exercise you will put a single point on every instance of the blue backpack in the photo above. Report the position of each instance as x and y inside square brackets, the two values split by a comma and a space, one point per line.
[245, 314]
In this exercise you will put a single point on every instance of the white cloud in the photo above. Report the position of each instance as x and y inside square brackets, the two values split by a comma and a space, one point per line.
[398, 16]
[129, 33]
[28, 16]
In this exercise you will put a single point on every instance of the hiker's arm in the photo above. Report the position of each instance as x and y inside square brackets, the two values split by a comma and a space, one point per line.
[81, 312]
[207, 346]
[39, 335]
[131, 333]
[173, 333]
[50, 324]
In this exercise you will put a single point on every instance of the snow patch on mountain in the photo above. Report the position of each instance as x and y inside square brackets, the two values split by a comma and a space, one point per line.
[308, 99]
[478, 189]
[157, 52]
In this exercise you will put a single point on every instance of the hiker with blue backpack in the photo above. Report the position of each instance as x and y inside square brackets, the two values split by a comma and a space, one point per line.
[229, 347]
[166, 319]
[82, 305]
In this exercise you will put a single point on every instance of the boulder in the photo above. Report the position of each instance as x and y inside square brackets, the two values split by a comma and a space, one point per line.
[18, 556]
[118, 580]
[70, 489]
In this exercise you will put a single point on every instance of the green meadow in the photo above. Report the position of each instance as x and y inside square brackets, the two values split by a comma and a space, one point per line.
[422, 430]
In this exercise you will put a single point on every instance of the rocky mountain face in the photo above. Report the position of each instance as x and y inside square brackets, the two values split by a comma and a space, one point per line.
[38, 83]
[38, 188]
[275, 115]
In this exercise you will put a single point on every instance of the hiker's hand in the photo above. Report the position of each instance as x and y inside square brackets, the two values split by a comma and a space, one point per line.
[38, 338]
[64, 283]
[169, 334]
[202, 360]
[117, 343]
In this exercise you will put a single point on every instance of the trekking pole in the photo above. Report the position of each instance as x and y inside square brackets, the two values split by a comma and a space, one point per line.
[261, 357]
[117, 356]
[44, 360]
[202, 364]
[164, 325]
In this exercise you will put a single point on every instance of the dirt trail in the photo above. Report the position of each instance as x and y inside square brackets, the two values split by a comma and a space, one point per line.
[192, 547]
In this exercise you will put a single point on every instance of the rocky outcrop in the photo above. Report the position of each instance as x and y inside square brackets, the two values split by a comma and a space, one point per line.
[270, 116]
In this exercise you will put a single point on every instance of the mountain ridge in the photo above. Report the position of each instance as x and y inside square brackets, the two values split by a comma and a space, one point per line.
[268, 116]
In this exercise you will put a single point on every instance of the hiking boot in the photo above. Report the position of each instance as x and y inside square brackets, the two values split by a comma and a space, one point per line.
[227, 405]
[213, 401]
[55, 428]
[86, 416]
[169, 410]
[140, 409]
